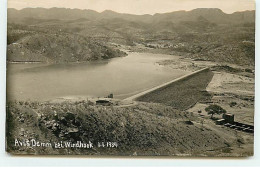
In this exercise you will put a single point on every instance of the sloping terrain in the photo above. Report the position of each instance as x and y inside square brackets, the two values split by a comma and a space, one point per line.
[47, 45]
[205, 34]
[143, 129]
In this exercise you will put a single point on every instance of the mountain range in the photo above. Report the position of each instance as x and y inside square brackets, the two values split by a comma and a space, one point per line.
[82, 35]
[211, 14]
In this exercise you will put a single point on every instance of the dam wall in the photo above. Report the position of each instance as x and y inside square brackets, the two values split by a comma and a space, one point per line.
[180, 93]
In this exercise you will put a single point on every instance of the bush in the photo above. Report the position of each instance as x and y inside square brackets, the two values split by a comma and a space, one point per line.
[232, 104]
[248, 70]
[215, 109]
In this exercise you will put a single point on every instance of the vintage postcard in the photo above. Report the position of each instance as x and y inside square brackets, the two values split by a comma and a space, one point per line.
[131, 78]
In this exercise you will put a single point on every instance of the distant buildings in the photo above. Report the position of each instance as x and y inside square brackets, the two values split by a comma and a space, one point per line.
[229, 118]
[103, 102]
[110, 96]
[226, 118]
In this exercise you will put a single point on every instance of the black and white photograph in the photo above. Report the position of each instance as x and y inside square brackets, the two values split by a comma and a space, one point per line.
[131, 78]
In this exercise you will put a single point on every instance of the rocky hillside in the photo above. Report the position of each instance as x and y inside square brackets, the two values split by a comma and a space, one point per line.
[44, 45]
[144, 129]
[205, 34]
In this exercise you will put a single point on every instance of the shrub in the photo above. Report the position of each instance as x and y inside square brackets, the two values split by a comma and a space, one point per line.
[215, 109]
[232, 104]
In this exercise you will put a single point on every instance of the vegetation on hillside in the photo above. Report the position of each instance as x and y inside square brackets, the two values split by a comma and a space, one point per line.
[27, 43]
[144, 129]
[215, 109]
[200, 34]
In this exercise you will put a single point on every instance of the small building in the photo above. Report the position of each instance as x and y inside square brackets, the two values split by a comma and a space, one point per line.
[229, 118]
[103, 102]
[110, 96]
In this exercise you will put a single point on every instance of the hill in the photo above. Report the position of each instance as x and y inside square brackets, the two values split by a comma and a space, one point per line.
[205, 34]
[144, 129]
[54, 46]
[213, 14]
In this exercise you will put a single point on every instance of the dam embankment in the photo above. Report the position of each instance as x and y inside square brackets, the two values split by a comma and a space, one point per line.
[181, 93]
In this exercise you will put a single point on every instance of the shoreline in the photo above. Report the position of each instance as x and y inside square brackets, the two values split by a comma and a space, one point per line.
[180, 63]
[164, 121]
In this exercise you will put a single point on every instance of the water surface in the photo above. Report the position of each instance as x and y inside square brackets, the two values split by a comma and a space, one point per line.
[123, 77]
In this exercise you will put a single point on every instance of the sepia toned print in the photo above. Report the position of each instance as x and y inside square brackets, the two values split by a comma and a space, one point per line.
[105, 78]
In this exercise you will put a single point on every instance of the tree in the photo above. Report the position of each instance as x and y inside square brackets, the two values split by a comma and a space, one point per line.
[215, 109]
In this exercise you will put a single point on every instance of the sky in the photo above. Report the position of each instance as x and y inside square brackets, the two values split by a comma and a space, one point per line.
[138, 6]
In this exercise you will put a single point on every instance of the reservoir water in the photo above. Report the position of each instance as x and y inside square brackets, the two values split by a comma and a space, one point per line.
[124, 77]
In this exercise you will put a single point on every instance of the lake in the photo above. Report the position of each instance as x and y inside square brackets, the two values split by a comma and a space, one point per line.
[124, 77]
